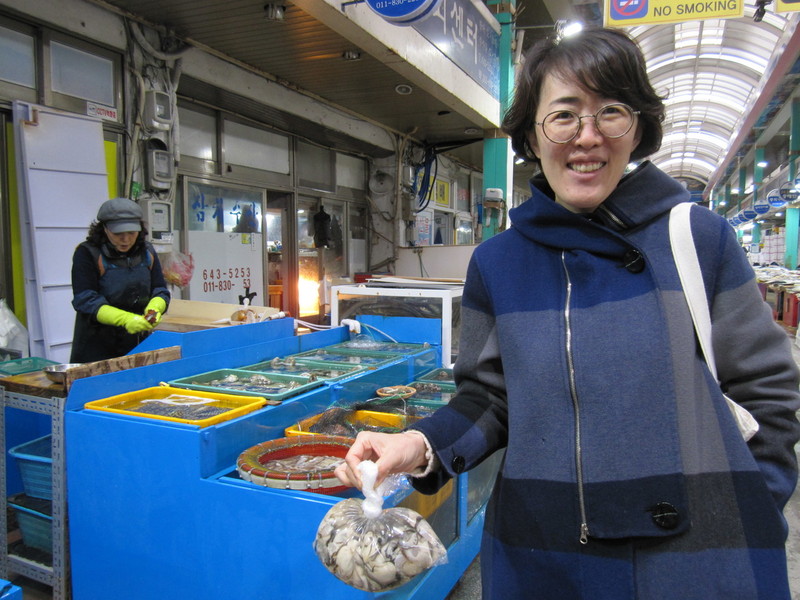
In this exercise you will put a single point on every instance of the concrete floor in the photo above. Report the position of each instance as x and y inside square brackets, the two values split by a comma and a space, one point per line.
[469, 586]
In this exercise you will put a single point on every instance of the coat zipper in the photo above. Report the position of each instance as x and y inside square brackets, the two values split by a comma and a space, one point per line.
[612, 217]
[584, 533]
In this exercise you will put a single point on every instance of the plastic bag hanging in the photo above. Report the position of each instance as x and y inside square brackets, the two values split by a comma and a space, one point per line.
[372, 548]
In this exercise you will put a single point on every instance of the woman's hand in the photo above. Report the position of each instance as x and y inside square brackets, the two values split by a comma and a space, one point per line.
[391, 452]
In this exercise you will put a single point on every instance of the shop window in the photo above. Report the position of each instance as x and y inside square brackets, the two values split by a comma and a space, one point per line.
[198, 131]
[351, 172]
[255, 148]
[18, 73]
[17, 58]
[81, 77]
[316, 167]
[80, 74]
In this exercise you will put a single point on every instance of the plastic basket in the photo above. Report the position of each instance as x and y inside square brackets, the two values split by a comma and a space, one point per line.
[440, 375]
[24, 365]
[376, 346]
[306, 368]
[35, 463]
[359, 420]
[346, 356]
[142, 402]
[277, 388]
[432, 393]
[36, 526]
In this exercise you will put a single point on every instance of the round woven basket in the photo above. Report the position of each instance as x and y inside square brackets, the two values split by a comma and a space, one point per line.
[250, 463]
[400, 391]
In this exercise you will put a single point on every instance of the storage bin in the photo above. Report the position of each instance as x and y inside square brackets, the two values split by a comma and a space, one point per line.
[430, 393]
[382, 346]
[35, 521]
[348, 357]
[306, 368]
[440, 375]
[350, 423]
[24, 365]
[35, 462]
[275, 387]
[177, 405]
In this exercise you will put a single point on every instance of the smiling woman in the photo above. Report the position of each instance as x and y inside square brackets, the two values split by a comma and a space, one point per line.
[600, 418]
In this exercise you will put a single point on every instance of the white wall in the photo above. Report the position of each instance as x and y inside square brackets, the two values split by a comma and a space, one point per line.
[437, 261]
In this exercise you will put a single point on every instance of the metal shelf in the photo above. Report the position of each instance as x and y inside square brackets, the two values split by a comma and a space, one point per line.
[55, 575]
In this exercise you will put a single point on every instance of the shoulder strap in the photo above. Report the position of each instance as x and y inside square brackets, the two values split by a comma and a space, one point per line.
[97, 255]
[684, 253]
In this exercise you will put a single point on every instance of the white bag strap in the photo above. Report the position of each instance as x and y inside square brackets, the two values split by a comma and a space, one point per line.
[685, 256]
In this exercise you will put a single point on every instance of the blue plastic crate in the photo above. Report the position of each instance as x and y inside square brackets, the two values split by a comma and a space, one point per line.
[35, 463]
[35, 526]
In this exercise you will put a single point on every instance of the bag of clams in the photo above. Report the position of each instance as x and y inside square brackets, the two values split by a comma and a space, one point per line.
[372, 548]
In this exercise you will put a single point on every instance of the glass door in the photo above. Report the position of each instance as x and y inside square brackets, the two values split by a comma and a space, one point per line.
[280, 244]
[308, 257]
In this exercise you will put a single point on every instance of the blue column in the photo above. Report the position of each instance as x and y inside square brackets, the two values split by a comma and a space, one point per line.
[498, 168]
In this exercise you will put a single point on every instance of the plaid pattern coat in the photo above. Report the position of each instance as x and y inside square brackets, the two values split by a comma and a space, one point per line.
[625, 476]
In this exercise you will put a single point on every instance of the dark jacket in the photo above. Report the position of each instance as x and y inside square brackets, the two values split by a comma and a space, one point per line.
[578, 355]
[101, 275]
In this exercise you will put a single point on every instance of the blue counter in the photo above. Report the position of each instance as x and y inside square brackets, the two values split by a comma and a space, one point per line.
[156, 509]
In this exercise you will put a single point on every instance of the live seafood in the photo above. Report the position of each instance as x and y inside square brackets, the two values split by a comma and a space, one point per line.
[373, 549]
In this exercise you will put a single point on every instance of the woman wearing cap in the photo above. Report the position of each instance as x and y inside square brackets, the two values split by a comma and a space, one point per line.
[119, 292]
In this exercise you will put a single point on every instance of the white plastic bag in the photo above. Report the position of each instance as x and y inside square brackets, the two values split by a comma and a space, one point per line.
[373, 549]
[13, 335]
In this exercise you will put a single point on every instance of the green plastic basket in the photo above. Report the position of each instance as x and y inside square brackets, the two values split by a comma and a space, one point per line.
[344, 356]
[24, 365]
[318, 370]
[208, 382]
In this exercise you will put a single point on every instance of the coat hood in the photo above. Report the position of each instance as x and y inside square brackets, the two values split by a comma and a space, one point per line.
[640, 197]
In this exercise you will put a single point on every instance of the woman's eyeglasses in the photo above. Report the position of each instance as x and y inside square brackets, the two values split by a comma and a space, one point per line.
[612, 121]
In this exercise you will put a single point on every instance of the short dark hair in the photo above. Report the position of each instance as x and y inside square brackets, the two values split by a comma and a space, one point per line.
[606, 62]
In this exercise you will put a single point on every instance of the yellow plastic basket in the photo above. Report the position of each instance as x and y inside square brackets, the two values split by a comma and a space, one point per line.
[141, 403]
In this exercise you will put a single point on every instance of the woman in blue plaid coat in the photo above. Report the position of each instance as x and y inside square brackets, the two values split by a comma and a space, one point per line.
[624, 476]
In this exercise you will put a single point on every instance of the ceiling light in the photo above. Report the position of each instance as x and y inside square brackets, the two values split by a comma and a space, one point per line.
[472, 130]
[274, 11]
[403, 89]
[351, 55]
[519, 161]
[762, 164]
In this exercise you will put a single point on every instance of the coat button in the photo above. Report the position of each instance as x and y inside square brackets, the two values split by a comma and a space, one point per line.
[633, 260]
[665, 515]
[458, 464]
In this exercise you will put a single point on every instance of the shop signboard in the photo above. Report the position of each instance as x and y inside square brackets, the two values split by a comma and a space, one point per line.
[749, 214]
[788, 193]
[787, 5]
[761, 205]
[403, 12]
[469, 35]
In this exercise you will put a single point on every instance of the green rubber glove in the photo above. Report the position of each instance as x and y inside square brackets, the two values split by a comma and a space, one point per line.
[157, 306]
[110, 315]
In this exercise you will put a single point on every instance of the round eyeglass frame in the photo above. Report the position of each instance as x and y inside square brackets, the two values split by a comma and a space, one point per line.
[594, 116]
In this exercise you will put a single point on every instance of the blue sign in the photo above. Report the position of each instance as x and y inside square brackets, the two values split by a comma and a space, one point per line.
[403, 12]
[464, 35]
[749, 214]
[762, 205]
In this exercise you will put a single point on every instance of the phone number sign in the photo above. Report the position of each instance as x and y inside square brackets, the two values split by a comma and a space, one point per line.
[626, 13]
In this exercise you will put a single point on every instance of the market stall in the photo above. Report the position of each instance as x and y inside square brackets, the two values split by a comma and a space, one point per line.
[157, 508]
